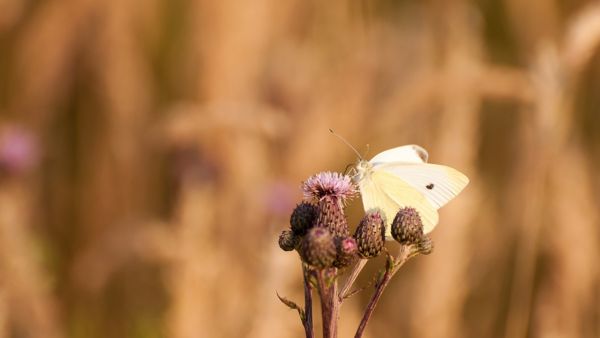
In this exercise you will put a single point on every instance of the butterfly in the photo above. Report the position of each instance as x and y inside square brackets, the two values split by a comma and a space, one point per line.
[401, 177]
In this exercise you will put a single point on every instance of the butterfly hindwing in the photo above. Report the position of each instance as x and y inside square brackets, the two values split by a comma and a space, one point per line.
[389, 193]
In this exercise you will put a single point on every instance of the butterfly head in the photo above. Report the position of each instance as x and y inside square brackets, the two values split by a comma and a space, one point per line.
[363, 168]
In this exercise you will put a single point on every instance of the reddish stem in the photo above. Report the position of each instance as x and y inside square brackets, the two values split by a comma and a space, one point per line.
[372, 303]
[308, 315]
[390, 270]
[329, 305]
[335, 306]
[350, 281]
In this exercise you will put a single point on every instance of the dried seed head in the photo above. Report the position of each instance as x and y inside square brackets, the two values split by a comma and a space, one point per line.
[331, 216]
[425, 246]
[318, 248]
[407, 227]
[370, 234]
[303, 218]
[328, 183]
[288, 241]
[347, 252]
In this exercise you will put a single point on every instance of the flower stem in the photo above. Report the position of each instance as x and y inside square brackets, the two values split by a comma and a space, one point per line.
[308, 315]
[404, 255]
[353, 275]
[335, 306]
[329, 306]
[372, 303]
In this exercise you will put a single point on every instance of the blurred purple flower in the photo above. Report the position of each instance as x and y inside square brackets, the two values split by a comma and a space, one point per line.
[18, 150]
[189, 164]
[279, 198]
[329, 184]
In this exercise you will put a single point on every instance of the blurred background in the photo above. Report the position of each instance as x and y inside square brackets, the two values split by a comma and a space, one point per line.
[151, 152]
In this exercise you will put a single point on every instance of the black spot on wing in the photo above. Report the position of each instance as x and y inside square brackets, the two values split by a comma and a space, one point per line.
[429, 186]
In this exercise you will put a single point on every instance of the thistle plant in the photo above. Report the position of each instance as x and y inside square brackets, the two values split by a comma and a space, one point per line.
[332, 259]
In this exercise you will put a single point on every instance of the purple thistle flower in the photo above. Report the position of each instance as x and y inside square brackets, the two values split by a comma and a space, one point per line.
[329, 183]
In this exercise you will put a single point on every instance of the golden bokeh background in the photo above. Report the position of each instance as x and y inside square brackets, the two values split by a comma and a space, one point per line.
[151, 152]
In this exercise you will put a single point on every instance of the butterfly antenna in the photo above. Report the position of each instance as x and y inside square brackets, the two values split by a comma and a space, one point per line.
[368, 149]
[346, 142]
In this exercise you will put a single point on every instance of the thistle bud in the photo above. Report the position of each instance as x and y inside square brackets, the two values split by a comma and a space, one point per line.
[425, 246]
[331, 216]
[407, 227]
[317, 248]
[288, 241]
[370, 234]
[347, 252]
[303, 218]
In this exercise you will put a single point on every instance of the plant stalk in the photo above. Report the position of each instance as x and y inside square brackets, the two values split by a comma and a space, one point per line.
[329, 305]
[308, 314]
[404, 255]
[353, 275]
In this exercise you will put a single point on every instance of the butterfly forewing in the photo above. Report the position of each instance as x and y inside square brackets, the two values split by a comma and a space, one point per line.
[408, 154]
[438, 183]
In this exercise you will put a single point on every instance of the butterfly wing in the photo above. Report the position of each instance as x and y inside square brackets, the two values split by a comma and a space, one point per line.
[409, 154]
[388, 192]
[438, 183]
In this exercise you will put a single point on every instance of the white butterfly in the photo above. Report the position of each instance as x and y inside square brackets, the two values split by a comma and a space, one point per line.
[401, 177]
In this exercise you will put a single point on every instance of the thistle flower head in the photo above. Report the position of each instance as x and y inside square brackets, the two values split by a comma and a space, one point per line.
[318, 248]
[425, 246]
[407, 227]
[288, 241]
[329, 183]
[303, 218]
[370, 234]
[347, 251]
[331, 216]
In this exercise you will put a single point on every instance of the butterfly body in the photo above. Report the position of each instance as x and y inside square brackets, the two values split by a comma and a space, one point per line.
[401, 177]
